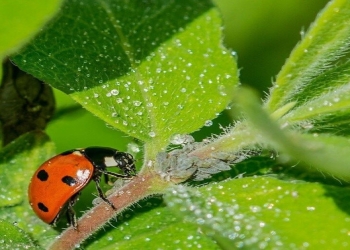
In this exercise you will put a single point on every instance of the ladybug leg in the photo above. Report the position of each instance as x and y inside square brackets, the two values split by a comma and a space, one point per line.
[72, 219]
[97, 180]
[55, 220]
[106, 178]
[107, 174]
[124, 176]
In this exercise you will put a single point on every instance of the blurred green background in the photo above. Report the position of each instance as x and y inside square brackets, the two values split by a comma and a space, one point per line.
[261, 32]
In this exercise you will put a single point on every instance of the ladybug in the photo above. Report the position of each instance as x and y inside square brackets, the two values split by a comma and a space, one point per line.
[57, 183]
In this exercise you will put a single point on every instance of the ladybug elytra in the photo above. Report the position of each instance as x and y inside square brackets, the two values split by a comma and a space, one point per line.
[58, 182]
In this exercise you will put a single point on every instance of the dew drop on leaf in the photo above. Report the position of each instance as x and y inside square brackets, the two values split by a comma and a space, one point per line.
[133, 147]
[114, 92]
[255, 209]
[137, 103]
[208, 123]
[127, 237]
[310, 208]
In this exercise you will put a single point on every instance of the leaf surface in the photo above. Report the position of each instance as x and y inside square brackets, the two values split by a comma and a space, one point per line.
[151, 72]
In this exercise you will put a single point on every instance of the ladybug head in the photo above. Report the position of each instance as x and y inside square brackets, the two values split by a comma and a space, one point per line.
[125, 162]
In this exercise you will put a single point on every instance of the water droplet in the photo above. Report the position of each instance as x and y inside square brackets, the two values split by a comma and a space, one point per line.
[152, 134]
[208, 123]
[183, 90]
[179, 139]
[137, 103]
[127, 237]
[255, 209]
[114, 92]
[95, 95]
[119, 100]
[222, 90]
[133, 147]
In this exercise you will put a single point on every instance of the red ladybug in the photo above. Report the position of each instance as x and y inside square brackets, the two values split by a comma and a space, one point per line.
[58, 182]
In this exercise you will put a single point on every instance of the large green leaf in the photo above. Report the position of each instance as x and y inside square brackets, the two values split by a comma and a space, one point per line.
[156, 228]
[266, 213]
[14, 238]
[18, 162]
[149, 69]
[325, 108]
[327, 40]
[328, 153]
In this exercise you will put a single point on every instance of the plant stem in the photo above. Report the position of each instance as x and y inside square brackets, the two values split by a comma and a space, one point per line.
[241, 136]
[138, 188]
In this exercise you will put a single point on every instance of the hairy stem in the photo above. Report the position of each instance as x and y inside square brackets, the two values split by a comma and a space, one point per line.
[238, 138]
[138, 188]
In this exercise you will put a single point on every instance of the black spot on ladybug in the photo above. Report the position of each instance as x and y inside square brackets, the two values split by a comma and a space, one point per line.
[69, 180]
[42, 175]
[42, 207]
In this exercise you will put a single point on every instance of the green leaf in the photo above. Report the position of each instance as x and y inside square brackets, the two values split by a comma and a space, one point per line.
[20, 20]
[14, 238]
[18, 162]
[327, 40]
[263, 212]
[156, 228]
[325, 108]
[325, 152]
[142, 70]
